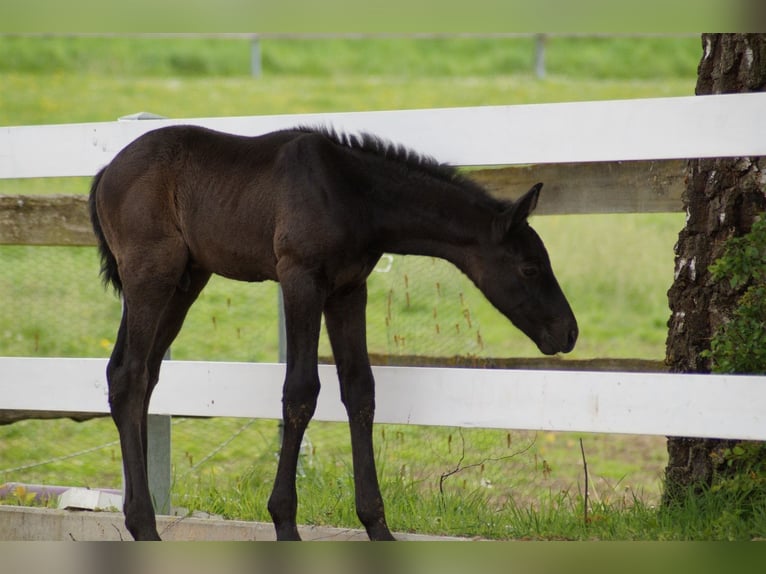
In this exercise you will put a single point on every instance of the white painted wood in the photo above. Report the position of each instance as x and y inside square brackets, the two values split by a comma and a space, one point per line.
[79, 498]
[721, 406]
[652, 128]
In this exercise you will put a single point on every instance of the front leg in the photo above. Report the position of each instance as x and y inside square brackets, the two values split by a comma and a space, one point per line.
[303, 300]
[346, 326]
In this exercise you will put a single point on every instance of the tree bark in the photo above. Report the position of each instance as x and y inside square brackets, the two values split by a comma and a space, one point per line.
[722, 198]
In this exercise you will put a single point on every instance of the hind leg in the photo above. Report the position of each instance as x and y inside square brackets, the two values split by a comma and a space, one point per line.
[128, 380]
[152, 315]
[168, 329]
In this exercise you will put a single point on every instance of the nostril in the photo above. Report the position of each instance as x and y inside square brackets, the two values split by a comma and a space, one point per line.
[572, 339]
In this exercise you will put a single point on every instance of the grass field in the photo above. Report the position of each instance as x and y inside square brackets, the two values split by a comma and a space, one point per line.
[601, 58]
[614, 268]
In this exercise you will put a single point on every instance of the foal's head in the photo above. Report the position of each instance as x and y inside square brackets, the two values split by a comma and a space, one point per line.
[516, 276]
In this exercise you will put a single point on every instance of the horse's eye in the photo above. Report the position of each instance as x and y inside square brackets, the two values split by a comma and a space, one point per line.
[529, 271]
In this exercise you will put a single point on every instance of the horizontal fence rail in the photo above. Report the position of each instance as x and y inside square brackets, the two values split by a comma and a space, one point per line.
[617, 130]
[721, 406]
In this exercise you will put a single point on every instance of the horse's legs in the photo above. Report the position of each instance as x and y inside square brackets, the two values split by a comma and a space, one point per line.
[303, 299]
[147, 296]
[167, 330]
[168, 327]
[128, 380]
[345, 321]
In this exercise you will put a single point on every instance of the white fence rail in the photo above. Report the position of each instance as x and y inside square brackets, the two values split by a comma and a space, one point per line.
[720, 406]
[660, 404]
[661, 128]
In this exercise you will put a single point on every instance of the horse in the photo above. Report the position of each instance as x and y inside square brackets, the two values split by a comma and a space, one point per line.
[314, 209]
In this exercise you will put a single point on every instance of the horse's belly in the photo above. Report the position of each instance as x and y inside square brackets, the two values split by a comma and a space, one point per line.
[250, 275]
[242, 265]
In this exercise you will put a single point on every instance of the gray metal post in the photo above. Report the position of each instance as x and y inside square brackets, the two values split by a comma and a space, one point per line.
[256, 62]
[282, 330]
[159, 465]
[281, 345]
[540, 40]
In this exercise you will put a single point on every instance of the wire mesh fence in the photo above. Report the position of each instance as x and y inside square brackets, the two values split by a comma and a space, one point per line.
[52, 303]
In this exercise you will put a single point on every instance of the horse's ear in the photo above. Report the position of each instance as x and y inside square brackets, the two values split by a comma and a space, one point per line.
[517, 213]
[526, 204]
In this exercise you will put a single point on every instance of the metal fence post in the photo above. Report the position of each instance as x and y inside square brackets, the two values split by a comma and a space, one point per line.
[540, 40]
[159, 464]
[281, 346]
[282, 331]
[256, 62]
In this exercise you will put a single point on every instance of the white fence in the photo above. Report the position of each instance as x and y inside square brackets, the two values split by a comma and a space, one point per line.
[635, 403]
[660, 128]
[655, 404]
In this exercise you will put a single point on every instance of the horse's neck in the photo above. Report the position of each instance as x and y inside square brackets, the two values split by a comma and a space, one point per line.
[434, 219]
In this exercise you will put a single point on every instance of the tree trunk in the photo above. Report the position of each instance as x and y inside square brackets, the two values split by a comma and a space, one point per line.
[722, 198]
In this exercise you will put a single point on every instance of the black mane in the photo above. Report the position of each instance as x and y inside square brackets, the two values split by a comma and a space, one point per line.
[400, 154]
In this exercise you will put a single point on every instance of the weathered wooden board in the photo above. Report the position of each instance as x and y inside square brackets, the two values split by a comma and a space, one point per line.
[604, 187]
[45, 220]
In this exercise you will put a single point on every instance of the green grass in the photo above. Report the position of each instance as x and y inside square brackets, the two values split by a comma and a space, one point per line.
[596, 58]
[439, 480]
[67, 98]
[518, 485]
[614, 268]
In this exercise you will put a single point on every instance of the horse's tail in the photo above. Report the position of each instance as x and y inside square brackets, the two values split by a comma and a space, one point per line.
[109, 271]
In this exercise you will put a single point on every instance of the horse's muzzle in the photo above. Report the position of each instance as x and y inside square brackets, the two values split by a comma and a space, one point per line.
[563, 342]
